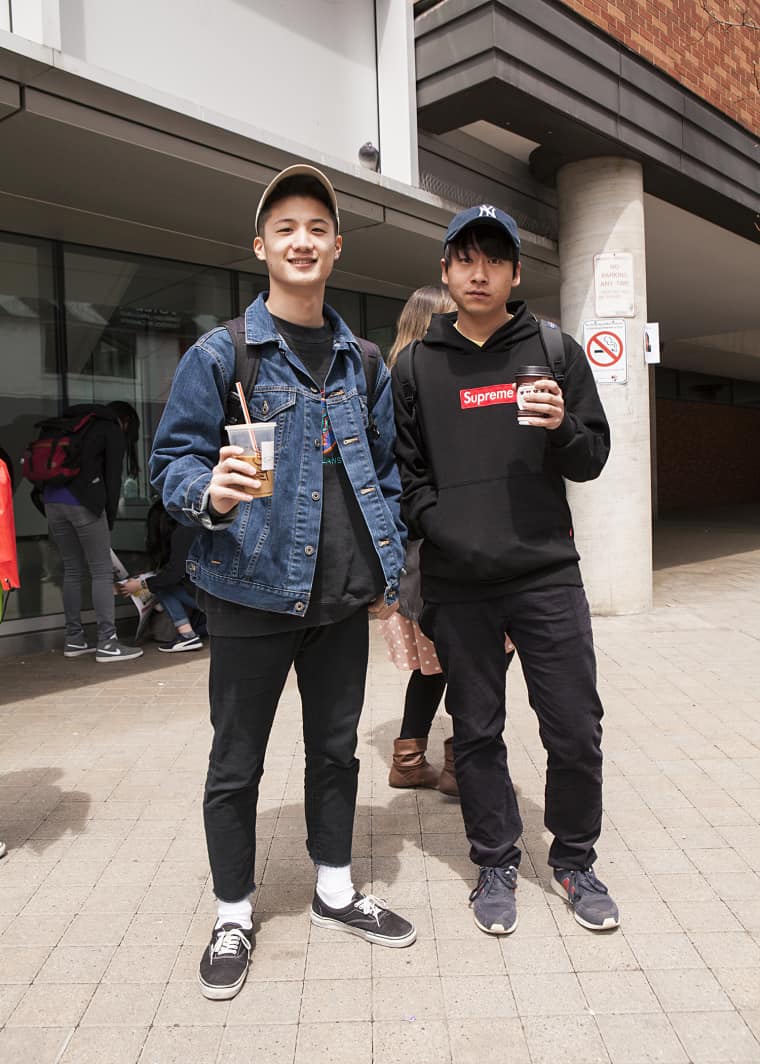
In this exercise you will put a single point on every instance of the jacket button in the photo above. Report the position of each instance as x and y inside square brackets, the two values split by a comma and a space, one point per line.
[315, 390]
[308, 551]
[300, 607]
[315, 496]
[317, 444]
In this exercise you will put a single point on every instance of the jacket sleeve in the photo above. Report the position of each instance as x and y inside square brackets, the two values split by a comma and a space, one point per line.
[581, 445]
[190, 432]
[382, 448]
[173, 573]
[113, 464]
[418, 490]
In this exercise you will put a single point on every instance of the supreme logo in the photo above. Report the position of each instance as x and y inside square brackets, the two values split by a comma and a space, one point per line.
[491, 395]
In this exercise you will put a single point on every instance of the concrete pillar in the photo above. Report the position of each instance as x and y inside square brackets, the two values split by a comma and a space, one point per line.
[397, 91]
[601, 208]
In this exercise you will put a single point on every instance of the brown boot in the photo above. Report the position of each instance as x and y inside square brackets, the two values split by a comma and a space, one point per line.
[447, 781]
[410, 767]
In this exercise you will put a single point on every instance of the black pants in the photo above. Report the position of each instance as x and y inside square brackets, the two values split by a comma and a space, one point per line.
[246, 680]
[551, 628]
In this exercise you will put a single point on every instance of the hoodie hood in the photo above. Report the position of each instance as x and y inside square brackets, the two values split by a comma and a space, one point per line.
[520, 328]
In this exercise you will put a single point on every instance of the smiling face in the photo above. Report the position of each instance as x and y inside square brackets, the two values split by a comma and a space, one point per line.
[298, 243]
[480, 279]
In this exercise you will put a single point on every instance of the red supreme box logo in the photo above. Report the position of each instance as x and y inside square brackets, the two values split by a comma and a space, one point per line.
[491, 395]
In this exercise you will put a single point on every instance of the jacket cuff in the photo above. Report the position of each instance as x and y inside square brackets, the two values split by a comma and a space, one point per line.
[562, 435]
[202, 512]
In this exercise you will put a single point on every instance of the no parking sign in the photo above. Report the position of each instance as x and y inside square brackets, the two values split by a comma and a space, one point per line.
[605, 348]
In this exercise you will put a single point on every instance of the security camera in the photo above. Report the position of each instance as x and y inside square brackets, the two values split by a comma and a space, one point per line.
[369, 156]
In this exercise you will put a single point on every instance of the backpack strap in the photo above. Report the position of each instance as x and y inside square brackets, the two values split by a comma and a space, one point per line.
[371, 363]
[405, 373]
[246, 370]
[554, 348]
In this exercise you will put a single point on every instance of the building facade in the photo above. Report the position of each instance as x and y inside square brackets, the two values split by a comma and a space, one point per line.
[136, 140]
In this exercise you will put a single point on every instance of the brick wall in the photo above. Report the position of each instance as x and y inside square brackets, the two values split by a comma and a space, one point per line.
[706, 455]
[719, 63]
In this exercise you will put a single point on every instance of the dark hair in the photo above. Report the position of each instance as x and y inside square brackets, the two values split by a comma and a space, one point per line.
[158, 534]
[130, 421]
[492, 242]
[297, 185]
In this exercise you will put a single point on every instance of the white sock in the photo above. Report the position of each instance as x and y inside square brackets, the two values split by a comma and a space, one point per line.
[334, 886]
[234, 912]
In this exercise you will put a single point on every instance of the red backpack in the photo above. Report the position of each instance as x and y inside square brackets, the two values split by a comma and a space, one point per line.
[55, 457]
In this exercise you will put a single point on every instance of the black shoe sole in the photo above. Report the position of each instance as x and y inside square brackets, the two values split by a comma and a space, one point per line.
[368, 936]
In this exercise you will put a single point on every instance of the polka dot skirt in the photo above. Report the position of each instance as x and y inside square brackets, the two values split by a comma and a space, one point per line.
[408, 648]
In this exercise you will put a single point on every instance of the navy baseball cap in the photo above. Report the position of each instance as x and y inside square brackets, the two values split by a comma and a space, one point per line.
[484, 214]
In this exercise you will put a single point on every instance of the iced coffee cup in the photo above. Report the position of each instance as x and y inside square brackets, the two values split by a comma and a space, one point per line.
[525, 381]
[257, 441]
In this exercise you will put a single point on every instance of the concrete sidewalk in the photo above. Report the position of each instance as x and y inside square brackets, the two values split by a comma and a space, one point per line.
[105, 904]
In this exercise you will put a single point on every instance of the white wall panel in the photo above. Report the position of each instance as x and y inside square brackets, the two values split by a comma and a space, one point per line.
[302, 69]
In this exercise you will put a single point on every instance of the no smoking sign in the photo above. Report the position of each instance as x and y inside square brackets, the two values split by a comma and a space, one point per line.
[605, 348]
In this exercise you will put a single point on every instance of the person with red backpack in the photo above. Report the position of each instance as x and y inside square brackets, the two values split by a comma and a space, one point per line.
[80, 505]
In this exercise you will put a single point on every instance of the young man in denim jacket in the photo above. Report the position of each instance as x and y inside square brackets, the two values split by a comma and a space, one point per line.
[289, 579]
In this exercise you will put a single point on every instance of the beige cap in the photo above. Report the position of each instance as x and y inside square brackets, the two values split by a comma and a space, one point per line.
[300, 169]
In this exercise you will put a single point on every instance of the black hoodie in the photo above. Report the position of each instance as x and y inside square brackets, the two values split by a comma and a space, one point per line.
[486, 494]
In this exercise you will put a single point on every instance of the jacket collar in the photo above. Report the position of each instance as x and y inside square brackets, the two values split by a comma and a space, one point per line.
[261, 329]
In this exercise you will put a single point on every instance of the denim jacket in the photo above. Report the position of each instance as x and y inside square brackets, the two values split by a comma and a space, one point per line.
[263, 554]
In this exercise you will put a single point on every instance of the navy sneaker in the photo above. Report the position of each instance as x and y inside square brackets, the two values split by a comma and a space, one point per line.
[588, 897]
[74, 648]
[224, 964]
[181, 643]
[493, 900]
[367, 917]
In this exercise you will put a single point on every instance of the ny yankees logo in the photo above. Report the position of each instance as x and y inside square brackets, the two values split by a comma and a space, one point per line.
[487, 212]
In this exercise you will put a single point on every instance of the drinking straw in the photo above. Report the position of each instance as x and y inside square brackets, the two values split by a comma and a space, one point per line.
[247, 416]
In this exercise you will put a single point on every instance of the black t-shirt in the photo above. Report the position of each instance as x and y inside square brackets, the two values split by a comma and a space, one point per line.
[348, 574]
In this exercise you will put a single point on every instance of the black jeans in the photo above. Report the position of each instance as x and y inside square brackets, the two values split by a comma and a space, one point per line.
[551, 628]
[246, 680]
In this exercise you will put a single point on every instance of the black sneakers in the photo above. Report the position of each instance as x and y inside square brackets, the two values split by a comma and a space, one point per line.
[224, 964]
[366, 917]
[493, 900]
[588, 897]
[181, 643]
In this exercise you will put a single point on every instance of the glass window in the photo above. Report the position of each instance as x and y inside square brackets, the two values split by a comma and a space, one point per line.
[704, 388]
[382, 315]
[128, 321]
[746, 393]
[249, 286]
[348, 305]
[29, 392]
[666, 383]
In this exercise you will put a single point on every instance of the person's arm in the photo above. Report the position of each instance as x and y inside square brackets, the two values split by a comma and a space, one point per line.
[581, 444]
[113, 464]
[572, 417]
[199, 480]
[419, 492]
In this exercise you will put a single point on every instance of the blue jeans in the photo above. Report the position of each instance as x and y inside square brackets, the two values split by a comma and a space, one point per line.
[83, 540]
[178, 602]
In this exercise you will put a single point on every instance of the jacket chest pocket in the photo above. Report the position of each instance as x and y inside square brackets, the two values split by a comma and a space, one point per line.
[274, 404]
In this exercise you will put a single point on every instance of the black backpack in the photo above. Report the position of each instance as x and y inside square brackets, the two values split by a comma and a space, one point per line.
[247, 361]
[55, 457]
[551, 341]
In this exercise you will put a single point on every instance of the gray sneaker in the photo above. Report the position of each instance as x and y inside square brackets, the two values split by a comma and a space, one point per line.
[113, 650]
[587, 897]
[493, 900]
[74, 648]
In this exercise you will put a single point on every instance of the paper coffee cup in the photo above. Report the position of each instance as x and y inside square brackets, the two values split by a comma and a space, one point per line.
[525, 380]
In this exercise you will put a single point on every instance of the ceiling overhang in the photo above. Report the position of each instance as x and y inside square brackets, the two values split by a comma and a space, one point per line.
[545, 74]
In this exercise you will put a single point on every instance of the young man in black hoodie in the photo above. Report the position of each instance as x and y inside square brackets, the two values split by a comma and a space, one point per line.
[487, 496]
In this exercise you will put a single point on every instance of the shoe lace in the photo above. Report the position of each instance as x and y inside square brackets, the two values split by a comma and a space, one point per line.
[371, 906]
[491, 878]
[585, 881]
[227, 943]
